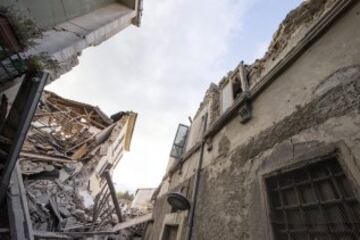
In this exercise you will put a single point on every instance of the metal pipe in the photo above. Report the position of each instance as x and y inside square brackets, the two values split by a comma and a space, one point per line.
[196, 181]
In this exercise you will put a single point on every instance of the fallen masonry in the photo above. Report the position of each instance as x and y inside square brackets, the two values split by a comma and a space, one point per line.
[62, 187]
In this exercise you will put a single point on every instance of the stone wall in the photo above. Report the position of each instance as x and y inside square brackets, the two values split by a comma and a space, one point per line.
[329, 123]
[309, 111]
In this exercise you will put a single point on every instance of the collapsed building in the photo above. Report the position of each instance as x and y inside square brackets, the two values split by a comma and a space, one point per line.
[64, 170]
[39, 41]
[273, 150]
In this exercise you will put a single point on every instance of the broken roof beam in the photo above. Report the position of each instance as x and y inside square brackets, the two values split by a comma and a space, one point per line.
[133, 222]
[44, 158]
[50, 235]
[69, 235]
[79, 105]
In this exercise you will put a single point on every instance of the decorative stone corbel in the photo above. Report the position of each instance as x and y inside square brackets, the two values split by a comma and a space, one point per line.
[245, 108]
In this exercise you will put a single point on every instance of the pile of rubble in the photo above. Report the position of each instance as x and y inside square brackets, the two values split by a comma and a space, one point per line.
[69, 148]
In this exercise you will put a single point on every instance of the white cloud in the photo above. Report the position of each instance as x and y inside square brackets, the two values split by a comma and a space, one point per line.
[161, 71]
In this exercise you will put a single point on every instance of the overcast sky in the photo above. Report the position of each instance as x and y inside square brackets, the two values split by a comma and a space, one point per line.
[162, 70]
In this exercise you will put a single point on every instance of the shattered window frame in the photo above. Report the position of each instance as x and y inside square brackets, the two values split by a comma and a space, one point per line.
[179, 143]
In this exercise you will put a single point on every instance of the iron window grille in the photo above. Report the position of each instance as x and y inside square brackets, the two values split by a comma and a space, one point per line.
[315, 202]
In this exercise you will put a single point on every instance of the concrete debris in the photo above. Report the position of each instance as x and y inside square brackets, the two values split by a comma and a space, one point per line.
[68, 149]
[85, 198]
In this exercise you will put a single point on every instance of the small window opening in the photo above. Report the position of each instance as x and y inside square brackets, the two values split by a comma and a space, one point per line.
[313, 202]
[179, 141]
[236, 87]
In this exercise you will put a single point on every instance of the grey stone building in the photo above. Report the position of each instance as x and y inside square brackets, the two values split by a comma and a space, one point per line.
[273, 151]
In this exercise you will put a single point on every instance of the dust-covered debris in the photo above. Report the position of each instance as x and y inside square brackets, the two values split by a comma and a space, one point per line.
[67, 150]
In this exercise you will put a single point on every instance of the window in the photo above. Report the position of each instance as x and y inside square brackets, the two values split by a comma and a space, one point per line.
[236, 87]
[179, 141]
[315, 202]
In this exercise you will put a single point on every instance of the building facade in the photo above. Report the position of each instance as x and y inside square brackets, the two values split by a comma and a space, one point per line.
[55, 32]
[273, 151]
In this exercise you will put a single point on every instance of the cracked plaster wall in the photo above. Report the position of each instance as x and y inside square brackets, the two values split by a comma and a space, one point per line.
[61, 35]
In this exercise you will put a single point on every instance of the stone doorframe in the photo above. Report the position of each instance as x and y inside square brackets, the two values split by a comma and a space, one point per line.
[174, 219]
[312, 153]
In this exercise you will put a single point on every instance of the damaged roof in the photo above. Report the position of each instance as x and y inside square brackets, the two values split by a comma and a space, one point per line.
[289, 33]
[64, 148]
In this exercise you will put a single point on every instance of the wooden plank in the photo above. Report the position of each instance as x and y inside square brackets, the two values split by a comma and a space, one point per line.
[50, 235]
[133, 222]
[45, 158]
[68, 235]
[24, 202]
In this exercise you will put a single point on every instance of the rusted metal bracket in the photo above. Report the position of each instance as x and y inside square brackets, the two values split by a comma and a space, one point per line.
[245, 110]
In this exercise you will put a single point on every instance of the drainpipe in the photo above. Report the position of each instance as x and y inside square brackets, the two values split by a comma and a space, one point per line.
[196, 181]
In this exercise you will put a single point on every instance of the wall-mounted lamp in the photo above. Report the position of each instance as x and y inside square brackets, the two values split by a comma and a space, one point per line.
[178, 201]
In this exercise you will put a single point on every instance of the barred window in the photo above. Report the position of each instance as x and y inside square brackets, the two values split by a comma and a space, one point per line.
[315, 202]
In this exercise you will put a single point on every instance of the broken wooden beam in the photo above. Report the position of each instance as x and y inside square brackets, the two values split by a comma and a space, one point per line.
[133, 222]
[50, 235]
[45, 158]
[69, 235]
